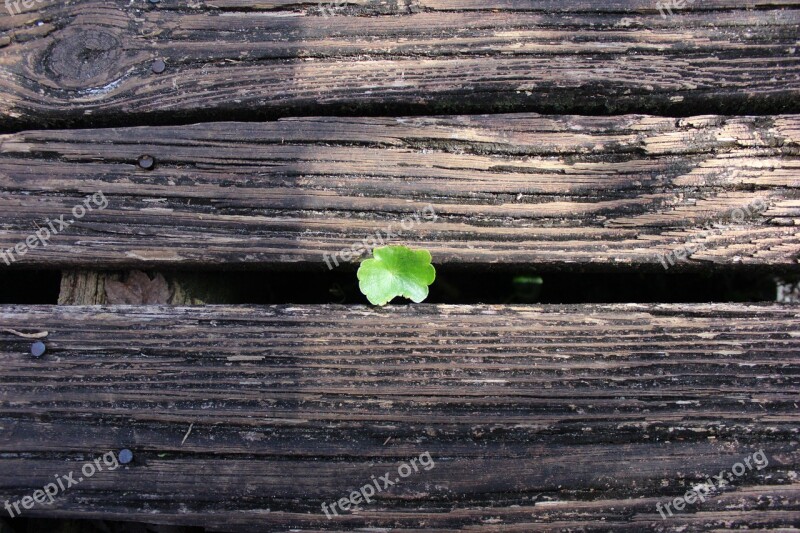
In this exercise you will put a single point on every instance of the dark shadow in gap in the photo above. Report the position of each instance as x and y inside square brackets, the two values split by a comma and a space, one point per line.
[452, 286]
[37, 525]
[458, 286]
[29, 287]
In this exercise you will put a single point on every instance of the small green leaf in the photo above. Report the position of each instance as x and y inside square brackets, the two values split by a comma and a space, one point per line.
[527, 288]
[527, 280]
[396, 271]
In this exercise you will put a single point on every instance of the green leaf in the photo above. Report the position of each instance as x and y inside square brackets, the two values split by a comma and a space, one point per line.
[528, 280]
[396, 271]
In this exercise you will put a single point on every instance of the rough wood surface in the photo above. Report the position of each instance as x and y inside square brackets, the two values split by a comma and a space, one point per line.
[87, 287]
[504, 189]
[560, 417]
[82, 287]
[91, 62]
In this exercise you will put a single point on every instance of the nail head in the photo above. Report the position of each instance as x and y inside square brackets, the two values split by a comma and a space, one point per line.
[125, 456]
[159, 66]
[147, 162]
[37, 349]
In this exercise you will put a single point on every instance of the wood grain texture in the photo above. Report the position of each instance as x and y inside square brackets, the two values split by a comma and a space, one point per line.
[80, 287]
[537, 417]
[88, 287]
[90, 62]
[521, 189]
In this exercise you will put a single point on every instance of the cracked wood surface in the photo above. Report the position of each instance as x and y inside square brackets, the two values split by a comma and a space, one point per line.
[91, 62]
[554, 191]
[558, 417]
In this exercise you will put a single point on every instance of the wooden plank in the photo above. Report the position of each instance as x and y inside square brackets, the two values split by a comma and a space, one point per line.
[249, 418]
[91, 62]
[554, 191]
[413, 6]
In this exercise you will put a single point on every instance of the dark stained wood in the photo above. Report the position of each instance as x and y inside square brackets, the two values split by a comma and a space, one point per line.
[362, 7]
[248, 419]
[557, 191]
[535, 416]
[90, 62]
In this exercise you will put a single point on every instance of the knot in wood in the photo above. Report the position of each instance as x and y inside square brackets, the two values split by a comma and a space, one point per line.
[84, 57]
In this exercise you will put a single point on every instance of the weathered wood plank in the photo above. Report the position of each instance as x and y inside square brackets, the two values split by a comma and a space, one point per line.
[534, 416]
[414, 6]
[502, 189]
[91, 62]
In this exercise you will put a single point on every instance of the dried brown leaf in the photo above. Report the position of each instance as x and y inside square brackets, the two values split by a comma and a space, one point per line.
[138, 289]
